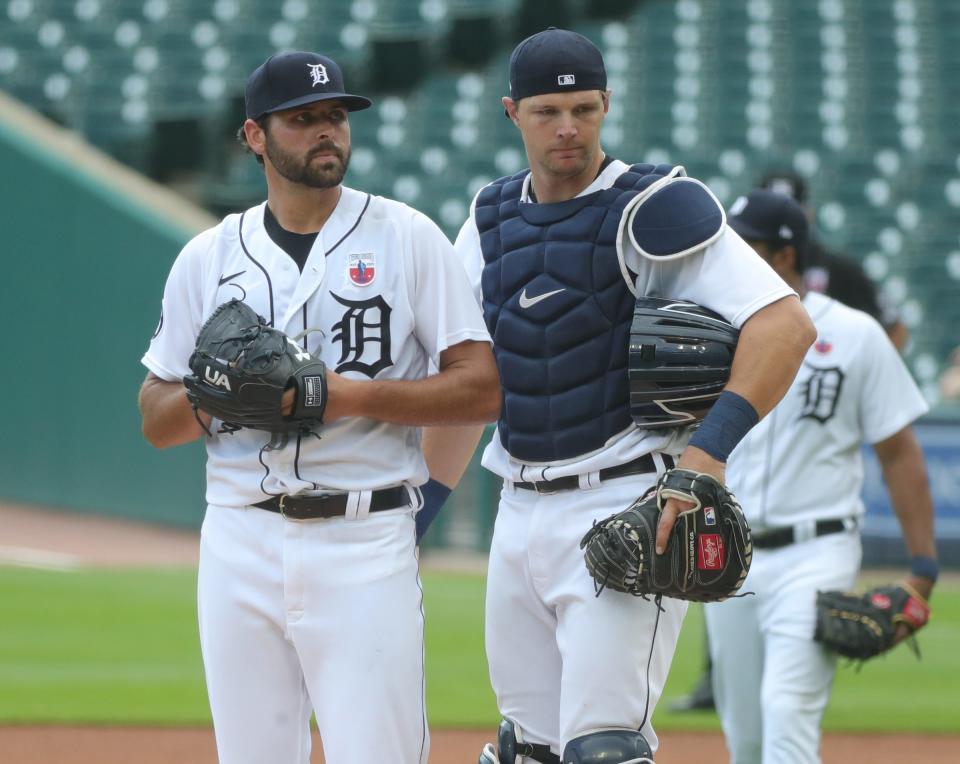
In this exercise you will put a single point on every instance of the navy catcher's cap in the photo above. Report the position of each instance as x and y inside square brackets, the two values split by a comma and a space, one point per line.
[555, 61]
[296, 78]
[768, 216]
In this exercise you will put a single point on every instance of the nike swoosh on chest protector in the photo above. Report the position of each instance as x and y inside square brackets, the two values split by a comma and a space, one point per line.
[529, 302]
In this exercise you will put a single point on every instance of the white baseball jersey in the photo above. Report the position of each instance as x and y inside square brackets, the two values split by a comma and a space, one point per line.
[380, 297]
[803, 461]
[320, 615]
[728, 277]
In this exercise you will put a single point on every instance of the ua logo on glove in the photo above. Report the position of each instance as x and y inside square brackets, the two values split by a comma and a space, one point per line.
[299, 352]
[216, 378]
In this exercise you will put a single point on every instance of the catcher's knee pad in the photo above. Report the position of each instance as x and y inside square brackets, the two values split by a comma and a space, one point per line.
[609, 747]
[511, 748]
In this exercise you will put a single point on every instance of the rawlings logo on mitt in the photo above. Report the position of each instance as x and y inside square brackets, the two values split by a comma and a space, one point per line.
[864, 626]
[708, 553]
[242, 367]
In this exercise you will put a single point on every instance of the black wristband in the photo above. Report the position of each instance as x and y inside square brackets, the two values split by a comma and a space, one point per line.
[922, 566]
[311, 398]
[730, 418]
[435, 494]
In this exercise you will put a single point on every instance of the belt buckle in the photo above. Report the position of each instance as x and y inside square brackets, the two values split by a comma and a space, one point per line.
[544, 491]
[283, 497]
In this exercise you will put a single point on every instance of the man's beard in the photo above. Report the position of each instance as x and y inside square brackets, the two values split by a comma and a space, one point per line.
[306, 172]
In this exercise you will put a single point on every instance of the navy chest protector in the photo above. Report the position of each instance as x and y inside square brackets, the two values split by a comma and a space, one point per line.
[559, 309]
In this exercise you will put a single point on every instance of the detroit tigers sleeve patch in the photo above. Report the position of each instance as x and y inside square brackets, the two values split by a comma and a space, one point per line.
[677, 219]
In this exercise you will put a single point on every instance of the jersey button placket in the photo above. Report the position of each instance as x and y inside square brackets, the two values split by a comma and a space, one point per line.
[538, 555]
[293, 573]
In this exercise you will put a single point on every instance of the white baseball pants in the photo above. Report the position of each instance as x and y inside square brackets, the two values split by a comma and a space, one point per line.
[564, 662]
[771, 679]
[317, 615]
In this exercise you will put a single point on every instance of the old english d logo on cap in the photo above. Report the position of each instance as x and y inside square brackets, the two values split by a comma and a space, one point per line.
[297, 78]
[319, 74]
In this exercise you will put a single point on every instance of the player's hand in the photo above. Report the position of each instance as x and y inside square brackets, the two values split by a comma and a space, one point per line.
[923, 587]
[287, 401]
[336, 397]
[691, 459]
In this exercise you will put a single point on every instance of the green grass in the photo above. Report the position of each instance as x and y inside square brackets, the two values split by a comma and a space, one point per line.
[100, 646]
[120, 647]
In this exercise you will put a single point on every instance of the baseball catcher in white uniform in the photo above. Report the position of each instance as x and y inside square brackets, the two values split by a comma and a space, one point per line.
[799, 475]
[296, 338]
[559, 255]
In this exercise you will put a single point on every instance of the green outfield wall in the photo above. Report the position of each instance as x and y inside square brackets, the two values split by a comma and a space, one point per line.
[86, 249]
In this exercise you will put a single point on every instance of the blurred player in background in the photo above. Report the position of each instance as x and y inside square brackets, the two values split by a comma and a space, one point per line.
[843, 279]
[798, 476]
[309, 593]
[833, 274]
[558, 254]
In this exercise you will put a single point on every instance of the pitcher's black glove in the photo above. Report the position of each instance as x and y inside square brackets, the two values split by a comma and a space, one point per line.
[708, 553]
[241, 368]
[863, 626]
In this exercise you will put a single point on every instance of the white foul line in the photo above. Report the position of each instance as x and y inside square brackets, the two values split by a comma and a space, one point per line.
[38, 558]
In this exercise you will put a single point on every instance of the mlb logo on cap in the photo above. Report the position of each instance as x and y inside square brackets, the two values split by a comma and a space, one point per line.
[555, 61]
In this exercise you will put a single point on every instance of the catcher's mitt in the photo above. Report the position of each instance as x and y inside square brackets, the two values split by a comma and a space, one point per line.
[863, 626]
[708, 553]
[241, 368]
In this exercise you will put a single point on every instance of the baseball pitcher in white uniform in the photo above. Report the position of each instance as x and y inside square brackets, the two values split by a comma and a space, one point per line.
[798, 476]
[558, 255]
[309, 593]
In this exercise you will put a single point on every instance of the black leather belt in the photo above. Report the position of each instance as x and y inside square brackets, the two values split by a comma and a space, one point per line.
[779, 537]
[642, 465]
[332, 504]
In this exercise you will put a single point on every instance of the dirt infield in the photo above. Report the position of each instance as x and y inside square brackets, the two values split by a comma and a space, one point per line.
[111, 745]
[43, 538]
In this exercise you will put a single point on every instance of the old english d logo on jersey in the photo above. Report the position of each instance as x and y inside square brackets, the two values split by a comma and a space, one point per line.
[710, 552]
[821, 391]
[361, 268]
[364, 335]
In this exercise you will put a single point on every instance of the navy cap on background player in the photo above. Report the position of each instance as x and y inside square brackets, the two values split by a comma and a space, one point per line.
[785, 182]
[296, 78]
[771, 217]
[555, 61]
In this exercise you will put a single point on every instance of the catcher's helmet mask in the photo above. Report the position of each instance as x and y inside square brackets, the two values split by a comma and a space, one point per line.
[680, 356]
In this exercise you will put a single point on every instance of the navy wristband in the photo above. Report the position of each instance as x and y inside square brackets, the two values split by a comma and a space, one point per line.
[922, 566]
[435, 494]
[726, 423]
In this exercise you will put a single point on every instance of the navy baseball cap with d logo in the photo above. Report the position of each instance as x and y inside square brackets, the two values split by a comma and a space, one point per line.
[555, 61]
[296, 78]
